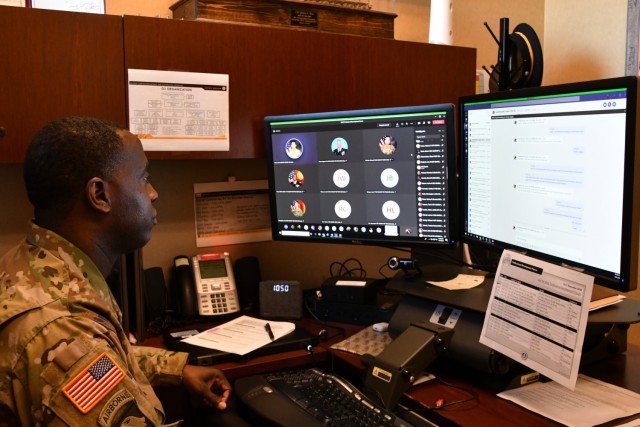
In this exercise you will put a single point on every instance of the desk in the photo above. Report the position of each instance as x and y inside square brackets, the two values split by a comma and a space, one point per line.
[274, 362]
[487, 409]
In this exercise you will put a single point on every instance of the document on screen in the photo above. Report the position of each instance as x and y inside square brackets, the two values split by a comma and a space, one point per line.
[537, 315]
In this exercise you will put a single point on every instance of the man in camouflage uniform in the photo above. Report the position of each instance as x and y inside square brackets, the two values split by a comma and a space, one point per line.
[65, 359]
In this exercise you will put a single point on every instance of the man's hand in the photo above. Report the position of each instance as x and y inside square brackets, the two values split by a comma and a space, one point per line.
[207, 383]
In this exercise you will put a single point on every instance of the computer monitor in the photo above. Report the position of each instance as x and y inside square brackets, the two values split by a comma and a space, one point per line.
[378, 176]
[553, 172]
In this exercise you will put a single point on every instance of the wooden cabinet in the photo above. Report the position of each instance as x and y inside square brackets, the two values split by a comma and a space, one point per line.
[56, 64]
[283, 71]
[62, 63]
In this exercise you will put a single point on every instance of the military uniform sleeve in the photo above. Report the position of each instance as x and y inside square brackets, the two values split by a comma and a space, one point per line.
[78, 372]
[161, 367]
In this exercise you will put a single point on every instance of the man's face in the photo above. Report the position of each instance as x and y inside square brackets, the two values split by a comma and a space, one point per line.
[132, 197]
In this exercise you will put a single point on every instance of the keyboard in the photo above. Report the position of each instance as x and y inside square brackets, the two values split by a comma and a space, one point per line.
[310, 397]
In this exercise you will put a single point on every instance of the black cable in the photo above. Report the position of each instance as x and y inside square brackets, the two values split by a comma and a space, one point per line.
[341, 331]
[345, 271]
[472, 393]
[441, 403]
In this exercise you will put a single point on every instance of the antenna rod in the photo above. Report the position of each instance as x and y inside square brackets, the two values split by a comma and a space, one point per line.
[491, 32]
[503, 56]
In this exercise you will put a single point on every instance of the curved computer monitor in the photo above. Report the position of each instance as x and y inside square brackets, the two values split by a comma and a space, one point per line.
[553, 172]
[380, 177]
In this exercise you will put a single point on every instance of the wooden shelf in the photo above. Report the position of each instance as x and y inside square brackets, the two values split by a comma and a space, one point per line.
[292, 14]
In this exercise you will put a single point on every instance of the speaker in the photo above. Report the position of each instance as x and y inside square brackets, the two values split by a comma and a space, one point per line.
[155, 293]
[247, 276]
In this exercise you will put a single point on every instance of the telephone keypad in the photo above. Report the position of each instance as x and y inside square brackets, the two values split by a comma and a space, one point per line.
[218, 303]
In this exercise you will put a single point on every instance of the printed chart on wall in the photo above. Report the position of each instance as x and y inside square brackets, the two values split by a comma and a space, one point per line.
[17, 3]
[231, 212]
[179, 111]
[85, 6]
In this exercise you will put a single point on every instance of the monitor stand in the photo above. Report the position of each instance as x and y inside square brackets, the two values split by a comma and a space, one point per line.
[464, 311]
[420, 286]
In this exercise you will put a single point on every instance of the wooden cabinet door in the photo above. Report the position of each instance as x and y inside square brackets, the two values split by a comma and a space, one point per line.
[56, 64]
[283, 71]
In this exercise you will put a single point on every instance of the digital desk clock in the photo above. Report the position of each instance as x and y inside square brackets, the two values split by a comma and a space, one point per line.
[281, 299]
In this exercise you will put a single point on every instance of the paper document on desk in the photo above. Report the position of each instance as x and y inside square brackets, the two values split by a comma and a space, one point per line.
[537, 315]
[461, 281]
[241, 335]
[593, 402]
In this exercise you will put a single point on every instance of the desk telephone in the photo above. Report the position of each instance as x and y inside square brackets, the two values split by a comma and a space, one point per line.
[205, 285]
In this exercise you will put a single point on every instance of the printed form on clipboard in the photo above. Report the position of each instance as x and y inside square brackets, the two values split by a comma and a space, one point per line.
[241, 335]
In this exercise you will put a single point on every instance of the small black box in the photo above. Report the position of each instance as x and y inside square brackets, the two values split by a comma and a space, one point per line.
[280, 299]
[353, 291]
[356, 314]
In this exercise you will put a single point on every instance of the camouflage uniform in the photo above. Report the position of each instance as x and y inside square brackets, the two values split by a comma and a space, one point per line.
[57, 319]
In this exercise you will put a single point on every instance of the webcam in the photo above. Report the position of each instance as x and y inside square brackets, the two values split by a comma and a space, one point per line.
[409, 266]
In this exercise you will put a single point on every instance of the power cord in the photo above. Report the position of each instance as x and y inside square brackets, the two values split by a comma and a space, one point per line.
[344, 270]
[324, 335]
[442, 403]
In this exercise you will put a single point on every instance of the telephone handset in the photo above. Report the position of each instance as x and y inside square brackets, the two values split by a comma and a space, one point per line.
[210, 289]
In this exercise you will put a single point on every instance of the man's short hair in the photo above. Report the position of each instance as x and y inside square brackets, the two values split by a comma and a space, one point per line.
[64, 155]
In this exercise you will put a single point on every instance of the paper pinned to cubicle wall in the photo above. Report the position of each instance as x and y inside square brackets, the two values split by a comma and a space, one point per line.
[231, 212]
[179, 111]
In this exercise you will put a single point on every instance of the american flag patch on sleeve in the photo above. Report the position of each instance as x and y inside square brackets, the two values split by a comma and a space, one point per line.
[93, 383]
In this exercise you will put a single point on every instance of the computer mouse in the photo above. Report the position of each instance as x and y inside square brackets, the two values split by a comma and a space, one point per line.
[380, 327]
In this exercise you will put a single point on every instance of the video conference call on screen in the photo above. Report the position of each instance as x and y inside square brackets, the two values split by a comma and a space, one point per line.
[548, 171]
[377, 175]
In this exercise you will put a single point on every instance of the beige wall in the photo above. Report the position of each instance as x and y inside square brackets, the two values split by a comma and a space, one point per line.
[470, 16]
[584, 40]
[153, 8]
[579, 43]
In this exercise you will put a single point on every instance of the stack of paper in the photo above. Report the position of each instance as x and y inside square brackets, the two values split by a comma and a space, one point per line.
[241, 335]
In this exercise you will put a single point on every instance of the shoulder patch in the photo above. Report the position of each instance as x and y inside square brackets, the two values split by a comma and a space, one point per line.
[93, 383]
[114, 405]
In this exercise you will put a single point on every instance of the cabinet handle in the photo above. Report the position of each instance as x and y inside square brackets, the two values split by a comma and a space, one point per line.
[3, 132]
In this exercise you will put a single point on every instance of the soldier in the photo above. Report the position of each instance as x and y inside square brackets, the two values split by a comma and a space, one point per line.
[65, 358]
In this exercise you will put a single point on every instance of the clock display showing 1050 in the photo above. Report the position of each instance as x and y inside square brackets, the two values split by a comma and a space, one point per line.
[280, 299]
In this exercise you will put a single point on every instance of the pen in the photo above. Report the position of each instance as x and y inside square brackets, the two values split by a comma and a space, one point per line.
[267, 327]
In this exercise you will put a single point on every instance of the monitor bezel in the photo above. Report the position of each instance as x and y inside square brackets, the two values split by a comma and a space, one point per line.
[452, 162]
[631, 195]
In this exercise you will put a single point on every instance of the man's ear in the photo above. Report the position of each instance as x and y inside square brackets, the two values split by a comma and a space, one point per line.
[97, 193]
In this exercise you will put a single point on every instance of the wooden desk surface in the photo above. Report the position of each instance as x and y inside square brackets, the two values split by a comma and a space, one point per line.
[485, 409]
[279, 361]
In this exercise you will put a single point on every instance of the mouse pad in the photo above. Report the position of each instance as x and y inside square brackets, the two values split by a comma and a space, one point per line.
[367, 341]
[296, 340]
